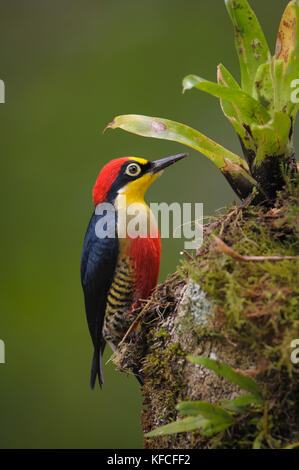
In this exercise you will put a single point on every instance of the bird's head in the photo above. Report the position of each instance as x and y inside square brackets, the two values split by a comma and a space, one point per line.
[130, 176]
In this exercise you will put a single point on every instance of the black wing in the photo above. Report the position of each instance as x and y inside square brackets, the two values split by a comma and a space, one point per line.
[98, 263]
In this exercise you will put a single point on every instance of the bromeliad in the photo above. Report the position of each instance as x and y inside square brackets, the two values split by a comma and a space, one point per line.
[262, 109]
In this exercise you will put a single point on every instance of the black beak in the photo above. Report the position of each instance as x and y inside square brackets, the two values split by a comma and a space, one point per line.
[159, 165]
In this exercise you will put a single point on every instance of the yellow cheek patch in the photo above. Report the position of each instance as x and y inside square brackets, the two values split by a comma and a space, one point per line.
[136, 190]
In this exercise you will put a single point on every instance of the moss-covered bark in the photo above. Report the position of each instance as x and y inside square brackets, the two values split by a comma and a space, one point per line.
[242, 313]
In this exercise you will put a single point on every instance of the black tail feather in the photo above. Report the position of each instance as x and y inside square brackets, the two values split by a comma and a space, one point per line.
[140, 378]
[97, 369]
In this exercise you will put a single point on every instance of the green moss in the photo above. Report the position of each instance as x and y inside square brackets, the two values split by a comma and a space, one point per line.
[162, 333]
[257, 303]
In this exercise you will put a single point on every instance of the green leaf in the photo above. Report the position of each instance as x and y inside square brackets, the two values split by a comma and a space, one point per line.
[287, 52]
[207, 410]
[227, 372]
[184, 425]
[240, 403]
[287, 44]
[233, 114]
[249, 109]
[171, 130]
[273, 91]
[228, 162]
[273, 138]
[250, 42]
[216, 417]
[269, 87]
[257, 444]
[212, 420]
[264, 87]
[291, 446]
[225, 78]
[216, 425]
[233, 167]
[277, 81]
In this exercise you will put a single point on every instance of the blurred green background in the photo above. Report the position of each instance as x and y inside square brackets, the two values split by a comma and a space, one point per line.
[69, 68]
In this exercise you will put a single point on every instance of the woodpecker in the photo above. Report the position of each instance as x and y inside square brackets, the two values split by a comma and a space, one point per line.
[117, 271]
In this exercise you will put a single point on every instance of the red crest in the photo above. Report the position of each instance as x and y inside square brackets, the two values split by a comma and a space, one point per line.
[106, 177]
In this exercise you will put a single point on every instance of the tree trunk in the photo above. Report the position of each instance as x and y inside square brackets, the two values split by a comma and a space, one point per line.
[243, 313]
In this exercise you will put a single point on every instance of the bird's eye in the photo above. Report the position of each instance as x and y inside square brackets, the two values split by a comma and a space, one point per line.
[133, 169]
